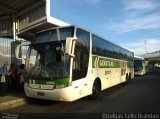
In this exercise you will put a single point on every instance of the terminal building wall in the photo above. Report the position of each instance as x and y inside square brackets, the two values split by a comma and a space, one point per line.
[5, 51]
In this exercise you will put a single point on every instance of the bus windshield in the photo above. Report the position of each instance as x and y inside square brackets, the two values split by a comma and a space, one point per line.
[47, 61]
[138, 65]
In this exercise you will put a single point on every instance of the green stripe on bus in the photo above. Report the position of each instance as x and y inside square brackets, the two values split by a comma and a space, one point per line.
[123, 72]
[130, 64]
[100, 62]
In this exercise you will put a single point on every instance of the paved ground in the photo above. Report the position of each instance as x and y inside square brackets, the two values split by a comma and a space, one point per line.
[12, 99]
[141, 95]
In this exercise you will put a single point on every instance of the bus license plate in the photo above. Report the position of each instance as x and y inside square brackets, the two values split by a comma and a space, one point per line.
[40, 94]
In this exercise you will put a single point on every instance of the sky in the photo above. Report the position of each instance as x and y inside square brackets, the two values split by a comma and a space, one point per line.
[128, 23]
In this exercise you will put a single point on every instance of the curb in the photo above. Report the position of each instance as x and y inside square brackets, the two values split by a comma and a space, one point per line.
[12, 103]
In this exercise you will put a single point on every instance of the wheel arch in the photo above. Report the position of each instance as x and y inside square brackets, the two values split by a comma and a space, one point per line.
[99, 82]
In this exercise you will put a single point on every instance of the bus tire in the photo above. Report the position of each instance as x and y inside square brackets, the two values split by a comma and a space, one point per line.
[129, 76]
[127, 79]
[95, 89]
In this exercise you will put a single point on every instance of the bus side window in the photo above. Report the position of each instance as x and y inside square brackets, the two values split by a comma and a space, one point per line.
[81, 59]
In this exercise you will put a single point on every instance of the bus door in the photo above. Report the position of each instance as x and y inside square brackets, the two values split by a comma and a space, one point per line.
[79, 72]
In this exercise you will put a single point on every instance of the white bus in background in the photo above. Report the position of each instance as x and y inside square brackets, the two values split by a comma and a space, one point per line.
[140, 66]
[72, 63]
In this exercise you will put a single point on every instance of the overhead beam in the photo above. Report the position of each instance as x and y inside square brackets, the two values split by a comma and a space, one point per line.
[6, 10]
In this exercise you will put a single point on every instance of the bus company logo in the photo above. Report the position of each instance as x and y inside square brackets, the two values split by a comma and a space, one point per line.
[96, 62]
[103, 63]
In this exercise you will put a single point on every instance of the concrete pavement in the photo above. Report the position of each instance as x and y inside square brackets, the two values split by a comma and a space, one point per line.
[11, 100]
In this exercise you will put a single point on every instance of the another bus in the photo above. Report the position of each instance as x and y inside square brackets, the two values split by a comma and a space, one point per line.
[140, 66]
[68, 63]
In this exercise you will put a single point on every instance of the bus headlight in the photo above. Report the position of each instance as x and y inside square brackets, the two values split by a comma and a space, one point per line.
[58, 86]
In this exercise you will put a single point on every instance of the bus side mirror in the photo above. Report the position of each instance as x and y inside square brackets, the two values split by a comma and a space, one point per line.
[70, 46]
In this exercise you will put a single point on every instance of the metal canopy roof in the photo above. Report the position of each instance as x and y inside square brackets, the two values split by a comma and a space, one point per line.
[152, 56]
[19, 7]
[12, 6]
[28, 35]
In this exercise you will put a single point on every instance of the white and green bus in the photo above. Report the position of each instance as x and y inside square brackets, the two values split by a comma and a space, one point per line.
[68, 63]
[140, 66]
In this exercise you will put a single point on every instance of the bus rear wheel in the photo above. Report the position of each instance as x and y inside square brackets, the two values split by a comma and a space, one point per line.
[95, 90]
[128, 78]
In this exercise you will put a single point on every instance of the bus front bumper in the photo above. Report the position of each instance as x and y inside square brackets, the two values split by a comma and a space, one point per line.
[63, 94]
[138, 73]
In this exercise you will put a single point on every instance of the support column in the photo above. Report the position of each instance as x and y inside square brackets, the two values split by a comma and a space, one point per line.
[14, 28]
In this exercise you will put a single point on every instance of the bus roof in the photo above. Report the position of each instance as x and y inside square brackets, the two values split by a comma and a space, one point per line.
[138, 57]
[88, 31]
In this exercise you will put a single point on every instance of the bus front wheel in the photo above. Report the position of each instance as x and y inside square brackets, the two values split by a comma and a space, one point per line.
[95, 89]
